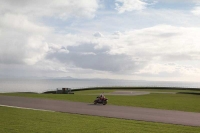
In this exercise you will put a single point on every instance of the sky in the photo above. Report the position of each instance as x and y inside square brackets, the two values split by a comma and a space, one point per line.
[155, 40]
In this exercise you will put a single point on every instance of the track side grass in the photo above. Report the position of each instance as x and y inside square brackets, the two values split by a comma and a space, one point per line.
[181, 102]
[98, 91]
[31, 121]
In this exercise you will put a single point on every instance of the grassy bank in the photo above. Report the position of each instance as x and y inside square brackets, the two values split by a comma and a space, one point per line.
[176, 89]
[149, 89]
[29, 121]
[182, 102]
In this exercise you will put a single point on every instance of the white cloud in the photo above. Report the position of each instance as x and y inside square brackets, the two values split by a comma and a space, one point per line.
[142, 51]
[161, 41]
[55, 8]
[196, 11]
[170, 72]
[129, 5]
[27, 41]
[23, 38]
[88, 53]
[19, 41]
[11, 21]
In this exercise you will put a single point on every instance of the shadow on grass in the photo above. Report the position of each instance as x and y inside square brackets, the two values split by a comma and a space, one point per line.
[191, 93]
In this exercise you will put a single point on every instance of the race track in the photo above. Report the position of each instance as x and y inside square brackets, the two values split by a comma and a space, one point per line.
[134, 113]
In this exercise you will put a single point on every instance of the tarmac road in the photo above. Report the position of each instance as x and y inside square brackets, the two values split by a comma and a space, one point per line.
[124, 112]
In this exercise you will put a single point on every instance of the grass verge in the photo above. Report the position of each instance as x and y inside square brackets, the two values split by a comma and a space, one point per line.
[31, 121]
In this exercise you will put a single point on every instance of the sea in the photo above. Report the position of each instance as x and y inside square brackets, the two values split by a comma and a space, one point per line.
[42, 85]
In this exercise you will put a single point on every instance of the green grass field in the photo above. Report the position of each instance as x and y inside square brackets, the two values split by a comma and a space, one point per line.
[30, 121]
[181, 102]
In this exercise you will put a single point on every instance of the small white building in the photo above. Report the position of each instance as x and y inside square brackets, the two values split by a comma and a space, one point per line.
[64, 91]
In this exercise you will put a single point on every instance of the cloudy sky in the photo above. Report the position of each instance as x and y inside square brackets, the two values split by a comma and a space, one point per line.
[116, 39]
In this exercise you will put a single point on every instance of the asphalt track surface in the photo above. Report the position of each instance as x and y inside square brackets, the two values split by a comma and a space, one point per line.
[124, 112]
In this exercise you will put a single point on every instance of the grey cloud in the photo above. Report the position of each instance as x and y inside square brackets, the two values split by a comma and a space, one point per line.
[162, 74]
[87, 48]
[100, 60]
[168, 34]
[117, 33]
[12, 51]
[162, 34]
[98, 34]
[176, 57]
